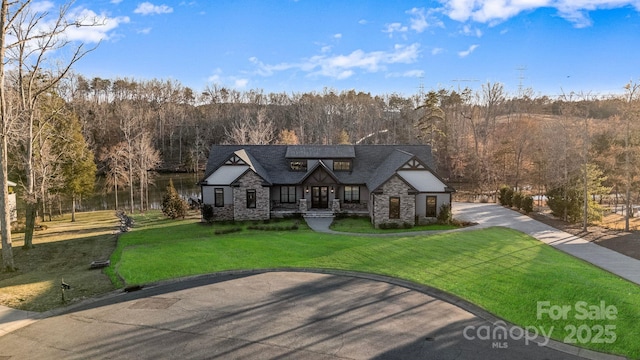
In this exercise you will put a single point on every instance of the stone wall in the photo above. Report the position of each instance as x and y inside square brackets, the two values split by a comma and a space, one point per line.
[251, 181]
[394, 188]
[223, 213]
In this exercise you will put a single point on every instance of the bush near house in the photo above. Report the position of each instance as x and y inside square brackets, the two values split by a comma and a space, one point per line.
[207, 213]
[444, 215]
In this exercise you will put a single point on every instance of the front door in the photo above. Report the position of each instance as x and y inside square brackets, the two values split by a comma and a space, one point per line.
[320, 197]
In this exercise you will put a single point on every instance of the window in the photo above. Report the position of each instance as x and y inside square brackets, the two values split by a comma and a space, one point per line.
[251, 199]
[288, 194]
[394, 208]
[432, 202]
[341, 165]
[219, 197]
[298, 165]
[352, 194]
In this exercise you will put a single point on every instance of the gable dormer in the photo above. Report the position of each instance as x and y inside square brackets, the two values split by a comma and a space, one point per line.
[413, 164]
[235, 160]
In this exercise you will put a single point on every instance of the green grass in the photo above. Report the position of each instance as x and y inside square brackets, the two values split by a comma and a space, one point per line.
[363, 225]
[501, 270]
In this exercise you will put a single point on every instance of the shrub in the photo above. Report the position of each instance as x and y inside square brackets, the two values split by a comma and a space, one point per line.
[516, 199]
[388, 225]
[295, 226]
[173, 206]
[444, 215]
[207, 213]
[505, 197]
[527, 204]
[227, 231]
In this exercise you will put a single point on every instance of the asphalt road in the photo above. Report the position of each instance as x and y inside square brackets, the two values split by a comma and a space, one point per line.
[273, 315]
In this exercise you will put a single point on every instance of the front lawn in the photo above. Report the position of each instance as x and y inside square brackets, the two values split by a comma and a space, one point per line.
[503, 271]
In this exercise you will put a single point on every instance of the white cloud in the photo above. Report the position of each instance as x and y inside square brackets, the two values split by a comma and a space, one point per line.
[144, 31]
[468, 30]
[216, 77]
[362, 22]
[467, 52]
[115, 2]
[418, 19]
[240, 83]
[344, 66]
[41, 6]
[437, 51]
[495, 11]
[337, 36]
[93, 27]
[147, 8]
[395, 27]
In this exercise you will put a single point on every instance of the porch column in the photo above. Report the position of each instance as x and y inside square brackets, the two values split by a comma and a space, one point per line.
[302, 206]
[335, 206]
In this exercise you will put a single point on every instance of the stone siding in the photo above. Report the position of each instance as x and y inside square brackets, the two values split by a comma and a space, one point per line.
[223, 213]
[250, 181]
[394, 188]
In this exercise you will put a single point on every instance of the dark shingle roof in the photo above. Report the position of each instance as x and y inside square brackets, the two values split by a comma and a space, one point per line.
[372, 164]
[388, 167]
[320, 152]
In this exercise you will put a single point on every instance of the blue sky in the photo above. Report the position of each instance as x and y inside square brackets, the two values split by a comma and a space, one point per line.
[549, 46]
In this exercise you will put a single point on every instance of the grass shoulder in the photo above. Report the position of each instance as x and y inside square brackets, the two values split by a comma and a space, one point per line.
[63, 250]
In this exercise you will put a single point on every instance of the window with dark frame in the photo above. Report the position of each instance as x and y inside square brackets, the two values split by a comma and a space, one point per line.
[298, 165]
[288, 194]
[251, 199]
[432, 208]
[341, 165]
[351, 194]
[394, 207]
[219, 197]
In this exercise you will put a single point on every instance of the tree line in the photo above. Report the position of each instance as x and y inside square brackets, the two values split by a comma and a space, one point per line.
[481, 139]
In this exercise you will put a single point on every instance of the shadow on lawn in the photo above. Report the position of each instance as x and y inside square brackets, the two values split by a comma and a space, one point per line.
[36, 285]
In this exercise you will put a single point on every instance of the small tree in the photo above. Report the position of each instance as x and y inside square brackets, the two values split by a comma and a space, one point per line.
[78, 165]
[444, 215]
[173, 205]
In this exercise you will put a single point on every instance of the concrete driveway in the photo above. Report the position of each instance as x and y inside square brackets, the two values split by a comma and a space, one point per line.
[487, 215]
[296, 315]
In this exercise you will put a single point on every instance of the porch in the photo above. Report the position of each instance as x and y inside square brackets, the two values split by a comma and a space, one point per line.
[304, 208]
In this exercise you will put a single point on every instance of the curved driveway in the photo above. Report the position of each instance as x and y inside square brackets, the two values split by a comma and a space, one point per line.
[274, 315]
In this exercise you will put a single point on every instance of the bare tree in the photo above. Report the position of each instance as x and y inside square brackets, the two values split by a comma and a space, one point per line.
[148, 158]
[36, 74]
[631, 113]
[248, 129]
[114, 159]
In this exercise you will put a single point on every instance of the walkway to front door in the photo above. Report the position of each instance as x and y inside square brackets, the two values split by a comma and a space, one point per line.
[319, 197]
